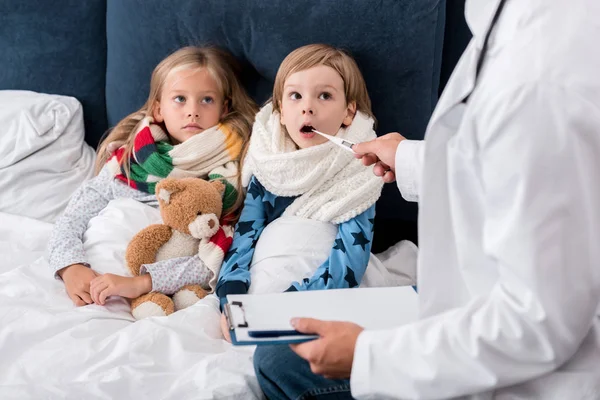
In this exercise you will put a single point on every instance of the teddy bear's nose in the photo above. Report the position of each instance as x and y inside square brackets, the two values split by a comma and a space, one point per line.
[204, 226]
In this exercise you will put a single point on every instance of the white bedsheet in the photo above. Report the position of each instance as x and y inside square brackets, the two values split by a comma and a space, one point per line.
[51, 349]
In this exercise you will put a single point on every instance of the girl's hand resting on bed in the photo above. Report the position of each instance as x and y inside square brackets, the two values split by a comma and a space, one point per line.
[225, 328]
[115, 285]
[77, 278]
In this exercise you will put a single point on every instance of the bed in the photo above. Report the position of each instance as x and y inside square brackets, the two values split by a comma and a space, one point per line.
[72, 69]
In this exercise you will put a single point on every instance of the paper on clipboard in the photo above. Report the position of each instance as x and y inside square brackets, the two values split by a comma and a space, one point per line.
[372, 308]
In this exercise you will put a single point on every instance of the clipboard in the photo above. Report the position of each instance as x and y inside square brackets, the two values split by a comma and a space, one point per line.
[264, 319]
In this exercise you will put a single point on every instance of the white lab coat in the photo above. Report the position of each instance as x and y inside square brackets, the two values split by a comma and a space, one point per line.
[509, 226]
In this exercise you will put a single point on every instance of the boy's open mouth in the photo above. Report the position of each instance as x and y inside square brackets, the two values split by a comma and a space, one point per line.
[306, 129]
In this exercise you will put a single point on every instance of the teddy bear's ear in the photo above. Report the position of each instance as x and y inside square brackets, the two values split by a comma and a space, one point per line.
[220, 186]
[164, 195]
[166, 188]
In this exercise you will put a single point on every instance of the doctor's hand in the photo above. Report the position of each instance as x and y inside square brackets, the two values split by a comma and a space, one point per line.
[382, 153]
[332, 354]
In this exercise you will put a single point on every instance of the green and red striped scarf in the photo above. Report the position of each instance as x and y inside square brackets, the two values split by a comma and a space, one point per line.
[212, 154]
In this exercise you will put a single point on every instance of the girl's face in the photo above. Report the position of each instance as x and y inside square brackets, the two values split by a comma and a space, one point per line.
[190, 103]
[314, 98]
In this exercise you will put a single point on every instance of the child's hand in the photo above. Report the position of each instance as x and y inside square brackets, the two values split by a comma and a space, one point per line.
[112, 146]
[225, 328]
[77, 278]
[116, 285]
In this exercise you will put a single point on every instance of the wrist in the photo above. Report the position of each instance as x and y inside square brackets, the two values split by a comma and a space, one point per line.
[399, 143]
[144, 283]
[62, 271]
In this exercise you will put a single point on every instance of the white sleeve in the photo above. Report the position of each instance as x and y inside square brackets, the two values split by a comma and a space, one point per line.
[409, 162]
[539, 161]
[168, 276]
[66, 241]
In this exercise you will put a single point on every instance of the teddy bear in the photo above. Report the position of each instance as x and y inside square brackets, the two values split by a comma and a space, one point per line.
[190, 209]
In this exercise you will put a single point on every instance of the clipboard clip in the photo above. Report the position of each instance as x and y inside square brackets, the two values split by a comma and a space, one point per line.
[228, 315]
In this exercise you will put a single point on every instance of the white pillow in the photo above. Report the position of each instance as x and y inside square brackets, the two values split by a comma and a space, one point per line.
[43, 156]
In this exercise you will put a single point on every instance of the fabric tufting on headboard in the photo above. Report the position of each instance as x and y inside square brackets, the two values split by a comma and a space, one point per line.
[103, 51]
[57, 48]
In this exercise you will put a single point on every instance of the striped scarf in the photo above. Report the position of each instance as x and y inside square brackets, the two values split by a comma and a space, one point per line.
[212, 154]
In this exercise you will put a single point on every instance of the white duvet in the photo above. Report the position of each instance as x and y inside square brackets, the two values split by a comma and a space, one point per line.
[50, 349]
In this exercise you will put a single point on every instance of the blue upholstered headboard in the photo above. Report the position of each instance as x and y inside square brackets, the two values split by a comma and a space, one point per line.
[103, 51]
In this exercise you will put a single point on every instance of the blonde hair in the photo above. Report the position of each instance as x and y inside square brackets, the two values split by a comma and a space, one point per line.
[241, 109]
[312, 55]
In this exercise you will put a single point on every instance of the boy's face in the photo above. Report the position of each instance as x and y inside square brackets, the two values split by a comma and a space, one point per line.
[314, 98]
[190, 103]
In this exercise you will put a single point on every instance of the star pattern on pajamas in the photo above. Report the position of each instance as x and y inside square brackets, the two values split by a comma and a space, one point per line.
[326, 276]
[339, 245]
[230, 253]
[276, 205]
[255, 191]
[253, 245]
[350, 278]
[360, 239]
[343, 268]
[244, 227]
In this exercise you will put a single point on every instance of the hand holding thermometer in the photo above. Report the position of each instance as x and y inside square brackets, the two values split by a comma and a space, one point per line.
[343, 143]
[381, 169]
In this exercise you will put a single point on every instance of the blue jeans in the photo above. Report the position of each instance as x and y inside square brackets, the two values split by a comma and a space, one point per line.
[284, 375]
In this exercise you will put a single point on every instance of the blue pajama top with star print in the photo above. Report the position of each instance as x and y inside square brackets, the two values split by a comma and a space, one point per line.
[344, 268]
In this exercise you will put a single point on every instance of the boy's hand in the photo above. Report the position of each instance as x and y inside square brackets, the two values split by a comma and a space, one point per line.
[115, 285]
[225, 328]
[77, 278]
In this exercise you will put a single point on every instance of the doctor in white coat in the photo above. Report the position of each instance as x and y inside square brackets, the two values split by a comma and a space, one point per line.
[508, 184]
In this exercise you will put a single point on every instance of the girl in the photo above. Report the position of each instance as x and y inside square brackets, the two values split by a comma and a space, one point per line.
[196, 123]
[293, 172]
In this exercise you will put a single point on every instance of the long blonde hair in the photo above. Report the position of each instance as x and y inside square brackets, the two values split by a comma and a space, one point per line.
[241, 109]
[313, 55]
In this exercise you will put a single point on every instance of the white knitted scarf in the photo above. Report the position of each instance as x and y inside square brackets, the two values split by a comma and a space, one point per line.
[333, 185]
